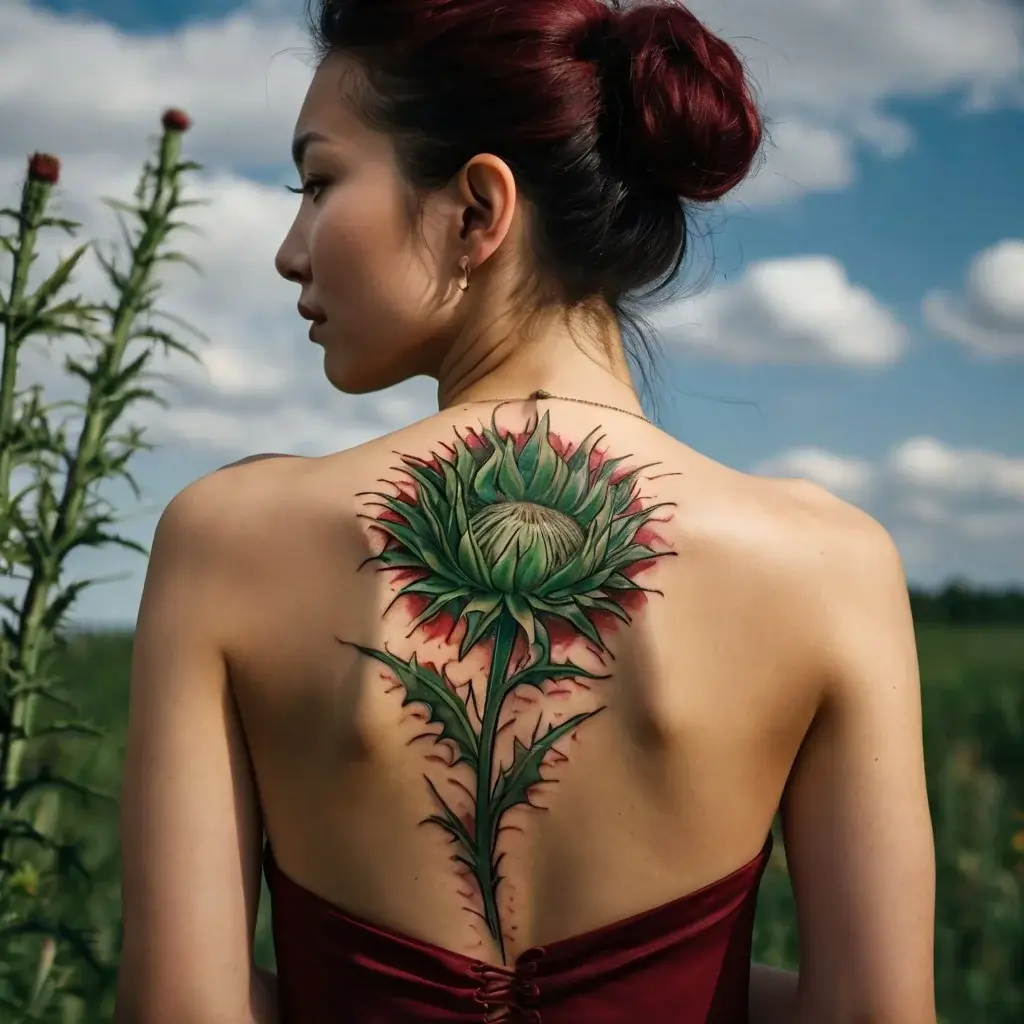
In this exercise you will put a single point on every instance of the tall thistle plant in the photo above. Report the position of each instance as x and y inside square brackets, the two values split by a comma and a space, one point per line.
[55, 460]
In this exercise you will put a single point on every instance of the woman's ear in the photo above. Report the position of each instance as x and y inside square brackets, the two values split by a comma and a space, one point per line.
[487, 193]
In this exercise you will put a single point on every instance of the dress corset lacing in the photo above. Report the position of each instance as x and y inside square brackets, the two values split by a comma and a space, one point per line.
[509, 993]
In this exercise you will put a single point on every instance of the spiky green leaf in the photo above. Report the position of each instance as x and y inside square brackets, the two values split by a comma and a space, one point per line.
[427, 687]
[514, 783]
[453, 825]
[538, 673]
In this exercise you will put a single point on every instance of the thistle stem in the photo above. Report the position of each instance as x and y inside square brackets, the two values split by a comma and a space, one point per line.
[96, 423]
[504, 640]
[33, 207]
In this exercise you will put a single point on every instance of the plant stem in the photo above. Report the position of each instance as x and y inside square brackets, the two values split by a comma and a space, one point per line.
[95, 425]
[504, 640]
[33, 205]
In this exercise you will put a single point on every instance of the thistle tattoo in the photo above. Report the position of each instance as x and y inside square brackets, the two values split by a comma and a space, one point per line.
[502, 536]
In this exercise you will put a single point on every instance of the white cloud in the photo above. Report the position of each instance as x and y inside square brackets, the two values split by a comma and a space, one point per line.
[889, 136]
[795, 310]
[800, 157]
[843, 475]
[928, 464]
[291, 429]
[827, 72]
[988, 319]
[241, 77]
[951, 510]
[846, 56]
[806, 153]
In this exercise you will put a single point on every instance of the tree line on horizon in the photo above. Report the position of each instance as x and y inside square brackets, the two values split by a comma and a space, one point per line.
[962, 604]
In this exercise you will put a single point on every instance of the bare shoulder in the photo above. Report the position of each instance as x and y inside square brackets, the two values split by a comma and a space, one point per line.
[799, 529]
[223, 495]
[833, 544]
[824, 572]
[251, 500]
[853, 560]
[836, 526]
[268, 511]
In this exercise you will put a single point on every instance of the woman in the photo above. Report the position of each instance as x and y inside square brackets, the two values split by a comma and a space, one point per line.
[516, 691]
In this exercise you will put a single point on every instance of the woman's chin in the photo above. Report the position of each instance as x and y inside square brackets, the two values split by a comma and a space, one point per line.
[350, 378]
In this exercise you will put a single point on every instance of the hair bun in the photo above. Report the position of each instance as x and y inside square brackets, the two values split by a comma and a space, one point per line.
[678, 106]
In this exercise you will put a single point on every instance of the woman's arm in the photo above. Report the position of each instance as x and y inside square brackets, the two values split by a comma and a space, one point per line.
[858, 834]
[264, 1001]
[190, 823]
[773, 995]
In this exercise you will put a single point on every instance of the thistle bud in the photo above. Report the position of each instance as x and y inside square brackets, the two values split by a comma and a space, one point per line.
[523, 543]
[175, 120]
[43, 167]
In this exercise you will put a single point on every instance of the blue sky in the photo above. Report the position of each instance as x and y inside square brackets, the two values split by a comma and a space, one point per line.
[899, 127]
[906, 226]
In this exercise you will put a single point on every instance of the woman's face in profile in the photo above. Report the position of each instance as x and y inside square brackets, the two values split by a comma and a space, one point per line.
[371, 274]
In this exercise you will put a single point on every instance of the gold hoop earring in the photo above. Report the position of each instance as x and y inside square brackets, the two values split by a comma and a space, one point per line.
[464, 267]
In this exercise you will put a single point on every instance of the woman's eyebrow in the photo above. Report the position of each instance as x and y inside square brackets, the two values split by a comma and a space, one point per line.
[302, 143]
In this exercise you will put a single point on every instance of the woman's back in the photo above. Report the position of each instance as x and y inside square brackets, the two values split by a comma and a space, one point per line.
[503, 681]
[630, 762]
[462, 824]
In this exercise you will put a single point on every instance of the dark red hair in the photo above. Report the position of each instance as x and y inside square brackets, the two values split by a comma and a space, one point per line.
[608, 115]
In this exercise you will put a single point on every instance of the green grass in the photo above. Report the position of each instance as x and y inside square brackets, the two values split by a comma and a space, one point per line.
[948, 653]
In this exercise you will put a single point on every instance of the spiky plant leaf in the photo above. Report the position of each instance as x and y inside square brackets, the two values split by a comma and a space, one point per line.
[514, 783]
[451, 823]
[426, 687]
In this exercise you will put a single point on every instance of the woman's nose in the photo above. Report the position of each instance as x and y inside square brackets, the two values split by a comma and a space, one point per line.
[292, 263]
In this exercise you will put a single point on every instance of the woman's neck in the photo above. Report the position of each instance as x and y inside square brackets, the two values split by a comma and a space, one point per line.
[580, 362]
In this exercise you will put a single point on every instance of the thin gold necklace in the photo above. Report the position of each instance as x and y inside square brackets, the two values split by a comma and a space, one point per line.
[539, 395]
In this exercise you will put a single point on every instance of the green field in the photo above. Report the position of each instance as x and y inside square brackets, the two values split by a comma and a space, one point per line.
[973, 684]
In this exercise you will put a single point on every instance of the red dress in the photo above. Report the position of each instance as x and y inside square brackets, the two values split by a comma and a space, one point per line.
[686, 962]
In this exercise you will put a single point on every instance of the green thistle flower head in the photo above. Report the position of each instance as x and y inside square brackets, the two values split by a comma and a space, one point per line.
[509, 526]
